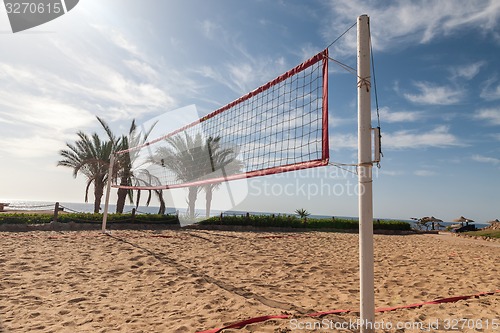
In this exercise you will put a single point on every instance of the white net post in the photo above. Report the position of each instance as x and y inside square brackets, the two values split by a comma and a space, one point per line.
[108, 192]
[365, 165]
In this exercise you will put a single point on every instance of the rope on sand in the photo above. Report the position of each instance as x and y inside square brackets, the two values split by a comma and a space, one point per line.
[244, 323]
[261, 319]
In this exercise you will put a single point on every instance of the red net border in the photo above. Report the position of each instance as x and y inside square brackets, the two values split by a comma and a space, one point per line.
[322, 56]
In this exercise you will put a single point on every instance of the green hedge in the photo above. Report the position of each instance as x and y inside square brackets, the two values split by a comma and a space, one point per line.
[296, 222]
[280, 221]
[25, 218]
[88, 218]
[490, 233]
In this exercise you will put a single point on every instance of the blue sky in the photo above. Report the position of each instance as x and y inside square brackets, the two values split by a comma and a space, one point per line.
[438, 80]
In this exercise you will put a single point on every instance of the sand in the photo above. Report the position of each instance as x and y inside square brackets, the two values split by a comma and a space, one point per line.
[195, 280]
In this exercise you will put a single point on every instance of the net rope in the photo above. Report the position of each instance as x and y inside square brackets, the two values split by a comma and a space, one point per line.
[278, 127]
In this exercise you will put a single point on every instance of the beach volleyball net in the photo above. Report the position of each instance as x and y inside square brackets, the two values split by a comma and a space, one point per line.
[279, 127]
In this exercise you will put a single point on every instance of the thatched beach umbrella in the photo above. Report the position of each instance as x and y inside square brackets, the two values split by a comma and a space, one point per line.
[430, 219]
[494, 224]
[462, 219]
[427, 219]
[433, 220]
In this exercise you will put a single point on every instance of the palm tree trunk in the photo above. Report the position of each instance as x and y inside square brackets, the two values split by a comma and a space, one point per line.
[122, 196]
[98, 193]
[163, 207]
[208, 200]
[193, 193]
[120, 202]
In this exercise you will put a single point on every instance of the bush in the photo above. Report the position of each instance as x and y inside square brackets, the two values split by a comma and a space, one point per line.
[283, 221]
[490, 233]
[25, 218]
[88, 218]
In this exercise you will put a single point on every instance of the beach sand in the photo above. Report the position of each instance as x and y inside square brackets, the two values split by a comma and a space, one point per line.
[195, 280]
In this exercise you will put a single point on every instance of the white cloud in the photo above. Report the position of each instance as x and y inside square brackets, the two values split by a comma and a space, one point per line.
[399, 116]
[492, 116]
[335, 122]
[424, 173]
[31, 147]
[44, 112]
[209, 72]
[142, 69]
[103, 85]
[339, 141]
[467, 71]
[242, 76]
[49, 104]
[438, 137]
[237, 68]
[3, 119]
[210, 29]
[15, 74]
[486, 159]
[392, 173]
[108, 90]
[118, 39]
[40, 99]
[397, 23]
[490, 92]
[220, 76]
[435, 95]
[124, 91]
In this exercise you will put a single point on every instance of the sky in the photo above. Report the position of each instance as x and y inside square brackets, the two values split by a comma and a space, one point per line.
[437, 74]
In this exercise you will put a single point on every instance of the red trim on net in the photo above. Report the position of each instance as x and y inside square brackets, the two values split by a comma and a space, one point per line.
[257, 173]
[323, 55]
[326, 145]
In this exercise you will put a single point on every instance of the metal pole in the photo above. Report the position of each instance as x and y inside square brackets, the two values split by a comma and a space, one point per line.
[108, 191]
[367, 290]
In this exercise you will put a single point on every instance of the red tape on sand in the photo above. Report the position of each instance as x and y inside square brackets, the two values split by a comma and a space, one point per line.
[244, 323]
[261, 319]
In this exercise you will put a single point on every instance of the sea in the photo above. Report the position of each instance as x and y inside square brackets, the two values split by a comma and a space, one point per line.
[74, 207]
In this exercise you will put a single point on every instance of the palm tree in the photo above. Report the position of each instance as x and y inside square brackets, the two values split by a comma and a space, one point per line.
[192, 158]
[223, 159]
[302, 213]
[89, 156]
[143, 177]
[123, 163]
[163, 207]
[184, 157]
[128, 177]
